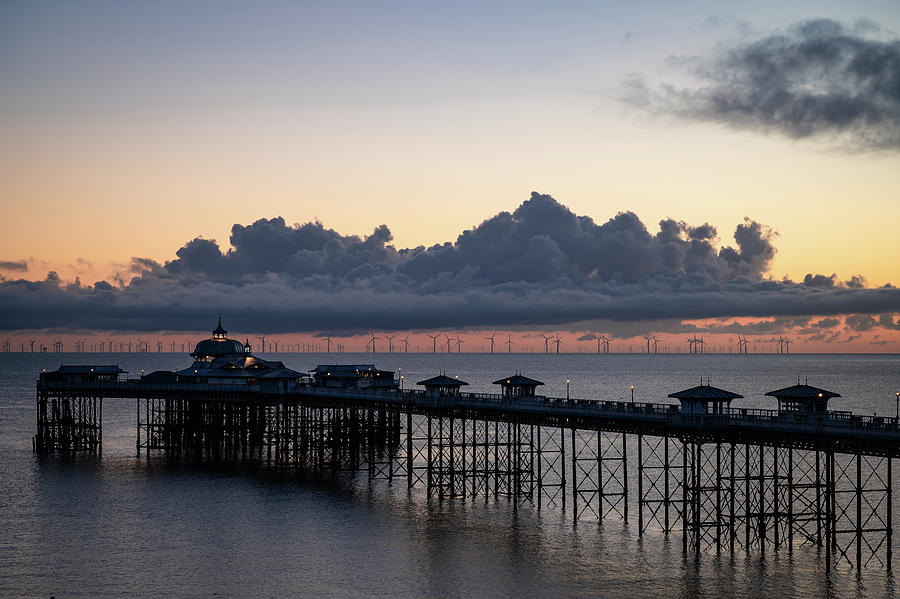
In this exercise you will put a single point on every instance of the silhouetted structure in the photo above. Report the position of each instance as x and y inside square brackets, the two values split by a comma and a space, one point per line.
[442, 386]
[802, 398]
[704, 399]
[358, 376]
[517, 386]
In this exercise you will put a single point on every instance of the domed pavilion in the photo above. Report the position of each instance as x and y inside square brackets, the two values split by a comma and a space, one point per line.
[223, 361]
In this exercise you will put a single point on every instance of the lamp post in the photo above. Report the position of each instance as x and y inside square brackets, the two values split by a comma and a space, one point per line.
[401, 382]
[567, 388]
[632, 394]
[897, 395]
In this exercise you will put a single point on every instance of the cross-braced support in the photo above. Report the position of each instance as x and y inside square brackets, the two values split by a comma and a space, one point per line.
[551, 466]
[446, 457]
[659, 483]
[418, 451]
[707, 513]
[860, 509]
[69, 422]
[599, 474]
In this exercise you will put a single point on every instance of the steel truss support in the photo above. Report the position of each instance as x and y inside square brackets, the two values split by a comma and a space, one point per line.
[708, 493]
[599, 475]
[162, 424]
[387, 457]
[803, 496]
[69, 423]
[447, 457]
[860, 509]
[659, 483]
[418, 447]
[551, 466]
[480, 455]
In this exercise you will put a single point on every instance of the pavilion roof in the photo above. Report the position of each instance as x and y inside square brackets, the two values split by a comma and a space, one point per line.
[442, 380]
[705, 392]
[517, 379]
[802, 392]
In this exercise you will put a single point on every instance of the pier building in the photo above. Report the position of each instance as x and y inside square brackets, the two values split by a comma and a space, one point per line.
[704, 399]
[442, 386]
[802, 399]
[353, 376]
[222, 361]
[517, 386]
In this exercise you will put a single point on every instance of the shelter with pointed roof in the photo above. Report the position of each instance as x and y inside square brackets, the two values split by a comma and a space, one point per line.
[517, 386]
[802, 398]
[362, 376]
[442, 386]
[704, 399]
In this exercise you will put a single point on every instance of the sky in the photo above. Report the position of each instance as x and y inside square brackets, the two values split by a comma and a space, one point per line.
[130, 131]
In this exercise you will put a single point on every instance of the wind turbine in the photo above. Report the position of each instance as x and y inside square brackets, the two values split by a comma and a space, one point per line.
[448, 342]
[372, 341]
[434, 343]
[547, 339]
[327, 339]
[557, 342]
[406, 344]
[459, 342]
[491, 339]
[605, 340]
[172, 347]
[390, 340]
[655, 345]
[787, 345]
[509, 344]
[262, 341]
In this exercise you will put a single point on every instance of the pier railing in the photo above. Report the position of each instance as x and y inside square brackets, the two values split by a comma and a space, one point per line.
[840, 423]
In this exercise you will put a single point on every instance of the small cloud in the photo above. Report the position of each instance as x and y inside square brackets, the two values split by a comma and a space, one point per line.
[14, 265]
[811, 280]
[860, 322]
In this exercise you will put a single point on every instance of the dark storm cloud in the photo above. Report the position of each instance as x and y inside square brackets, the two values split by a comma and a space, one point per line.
[886, 321]
[860, 322]
[14, 265]
[818, 80]
[540, 265]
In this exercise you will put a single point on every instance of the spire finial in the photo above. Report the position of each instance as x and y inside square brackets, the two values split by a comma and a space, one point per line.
[219, 333]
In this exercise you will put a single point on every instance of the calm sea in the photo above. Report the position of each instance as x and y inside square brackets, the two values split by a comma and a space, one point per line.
[118, 526]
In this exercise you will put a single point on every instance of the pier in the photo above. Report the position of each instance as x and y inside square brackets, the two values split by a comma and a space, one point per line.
[750, 480]
[726, 479]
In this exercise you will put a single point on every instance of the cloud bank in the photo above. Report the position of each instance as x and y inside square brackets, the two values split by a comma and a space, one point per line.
[540, 265]
[818, 80]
